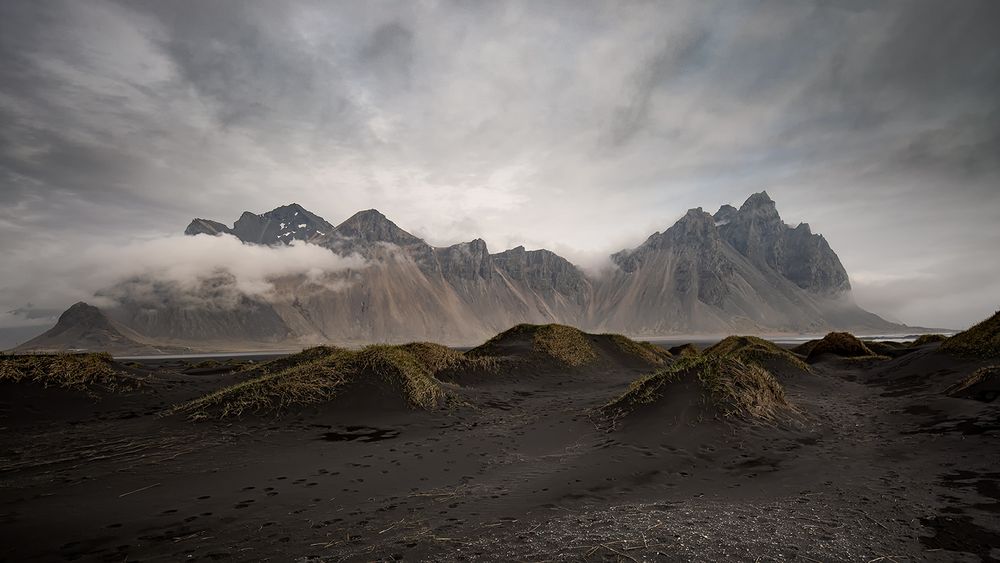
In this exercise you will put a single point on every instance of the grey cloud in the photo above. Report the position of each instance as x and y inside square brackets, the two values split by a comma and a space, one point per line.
[670, 62]
[580, 126]
[389, 53]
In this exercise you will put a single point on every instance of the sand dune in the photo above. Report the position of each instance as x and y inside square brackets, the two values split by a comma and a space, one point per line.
[506, 453]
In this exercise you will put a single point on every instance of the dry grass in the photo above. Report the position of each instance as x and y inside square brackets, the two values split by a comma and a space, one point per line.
[980, 341]
[925, 339]
[437, 358]
[843, 344]
[988, 376]
[729, 386]
[403, 371]
[646, 351]
[321, 374]
[83, 372]
[884, 348]
[754, 350]
[566, 345]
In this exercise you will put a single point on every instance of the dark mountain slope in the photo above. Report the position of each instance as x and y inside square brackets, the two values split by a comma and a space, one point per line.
[84, 327]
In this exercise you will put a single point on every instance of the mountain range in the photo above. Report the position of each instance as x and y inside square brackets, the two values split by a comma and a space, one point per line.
[739, 270]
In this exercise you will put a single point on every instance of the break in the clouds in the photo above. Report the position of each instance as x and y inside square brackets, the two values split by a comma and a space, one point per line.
[577, 126]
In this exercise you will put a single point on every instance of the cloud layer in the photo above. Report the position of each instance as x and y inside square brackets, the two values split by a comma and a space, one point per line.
[578, 126]
[203, 271]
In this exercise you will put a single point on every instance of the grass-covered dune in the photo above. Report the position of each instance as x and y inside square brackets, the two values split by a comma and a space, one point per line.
[90, 372]
[925, 339]
[982, 385]
[754, 350]
[684, 350]
[701, 388]
[565, 347]
[378, 376]
[981, 341]
[839, 344]
[645, 351]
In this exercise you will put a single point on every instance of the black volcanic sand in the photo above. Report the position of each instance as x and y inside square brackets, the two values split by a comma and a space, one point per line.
[882, 467]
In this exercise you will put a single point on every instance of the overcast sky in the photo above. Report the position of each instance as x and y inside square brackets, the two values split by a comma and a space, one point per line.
[577, 126]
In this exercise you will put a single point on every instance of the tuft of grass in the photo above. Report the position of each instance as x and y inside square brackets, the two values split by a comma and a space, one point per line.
[434, 357]
[321, 374]
[646, 351]
[729, 386]
[754, 350]
[400, 369]
[861, 361]
[270, 392]
[980, 341]
[564, 344]
[986, 379]
[82, 372]
[843, 344]
[925, 339]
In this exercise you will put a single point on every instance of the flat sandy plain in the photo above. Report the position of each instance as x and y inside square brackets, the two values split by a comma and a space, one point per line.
[881, 466]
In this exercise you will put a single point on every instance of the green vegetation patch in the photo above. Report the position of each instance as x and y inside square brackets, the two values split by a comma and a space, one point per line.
[980, 341]
[729, 386]
[566, 345]
[646, 351]
[754, 350]
[321, 374]
[83, 372]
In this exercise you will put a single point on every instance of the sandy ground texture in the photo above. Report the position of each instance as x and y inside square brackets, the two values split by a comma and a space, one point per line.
[880, 466]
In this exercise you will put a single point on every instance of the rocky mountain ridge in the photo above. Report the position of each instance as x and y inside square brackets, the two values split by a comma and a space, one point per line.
[738, 270]
[281, 225]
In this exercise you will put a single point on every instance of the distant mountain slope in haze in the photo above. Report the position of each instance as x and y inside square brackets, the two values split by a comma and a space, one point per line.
[739, 270]
[84, 327]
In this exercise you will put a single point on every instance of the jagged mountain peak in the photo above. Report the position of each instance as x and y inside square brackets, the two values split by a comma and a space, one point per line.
[759, 207]
[759, 199]
[474, 246]
[206, 227]
[466, 260]
[371, 225]
[281, 225]
[757, 232]
[541, 269]
[696, 223]
[725, 214]
[288, 207]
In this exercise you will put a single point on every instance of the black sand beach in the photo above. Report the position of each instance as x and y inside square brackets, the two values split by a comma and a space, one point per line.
[880, 465]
